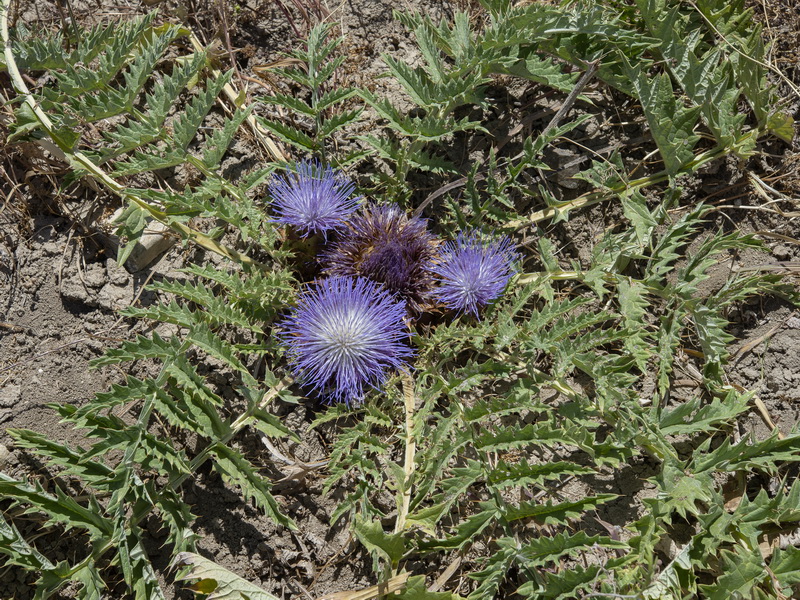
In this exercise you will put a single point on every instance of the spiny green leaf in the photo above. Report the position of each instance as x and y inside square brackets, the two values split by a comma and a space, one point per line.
[185, 126]
[739, 572]
[117, 100]
[546, 549]
[781, 124]
[564, 584]
[541, 69]
[554, 513]
[682, 490]
[271, 425]
[18, 551]
[521, 474]
[780, 508]
[452, 489]
[134, 389]
[176, 515]
[333, 97]
[141, 129]
[666, 250]
[136, 567]
[420, 159]
[203, 337]
[212, 309]
[671, 123]
[293, 103]
[73, 461]
[93, 586]
[416, 589]
[195, 398]
[748, 454]
[237, 470]
[83, 78]
[139, 349]
[59, 507]
[467, 530]
[146, 449]
[40, 51]
[390, 546]
[290, 135]
[690, 417]
[785, 565]
[493, 573]
[338, 121]
[217, 143]
[542, 434]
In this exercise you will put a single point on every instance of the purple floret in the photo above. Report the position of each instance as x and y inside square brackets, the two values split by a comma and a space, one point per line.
[473, 272]
[312, 198]
[344, 336]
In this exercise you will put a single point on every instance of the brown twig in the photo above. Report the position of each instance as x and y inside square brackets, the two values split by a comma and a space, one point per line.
[591, 70]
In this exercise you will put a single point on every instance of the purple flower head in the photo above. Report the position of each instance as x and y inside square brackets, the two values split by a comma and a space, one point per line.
[313, 198]
[344, 336]
[384, 244]
[473, 271]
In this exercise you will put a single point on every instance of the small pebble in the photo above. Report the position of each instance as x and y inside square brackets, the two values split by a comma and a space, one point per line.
[4, 455]
[782, 251]
[10, 395]
[750, 373]
[51, 248]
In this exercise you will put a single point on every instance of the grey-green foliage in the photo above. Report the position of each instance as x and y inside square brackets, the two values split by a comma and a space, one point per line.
[323, 108]
[130, 469]
[100, 78]
[711, 50]
[438, 90]
[518, 415]
[146, 437]
[686, 65]
[159, 107]
[500, 432]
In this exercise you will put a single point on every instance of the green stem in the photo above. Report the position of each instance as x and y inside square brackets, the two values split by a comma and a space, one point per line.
[411, 447]
[592, 198]
[612, 278]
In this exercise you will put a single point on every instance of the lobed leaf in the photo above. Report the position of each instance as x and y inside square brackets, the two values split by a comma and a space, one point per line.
[237, 470]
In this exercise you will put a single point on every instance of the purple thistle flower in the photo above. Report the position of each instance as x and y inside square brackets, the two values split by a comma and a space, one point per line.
[313, 198]
[344, 336]
[473, 272]
[384, 244]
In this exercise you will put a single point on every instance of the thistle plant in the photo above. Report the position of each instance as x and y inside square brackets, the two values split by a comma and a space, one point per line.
[385, 245]
[313, 199]
[472, 272]
[344, 336]
[495, 431]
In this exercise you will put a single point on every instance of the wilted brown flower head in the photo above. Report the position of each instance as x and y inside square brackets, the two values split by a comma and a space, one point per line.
[384, 244]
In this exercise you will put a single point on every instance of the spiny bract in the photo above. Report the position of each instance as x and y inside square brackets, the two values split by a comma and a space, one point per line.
[473, 271]
[313, 198]
[344, 336]
[385, 245]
